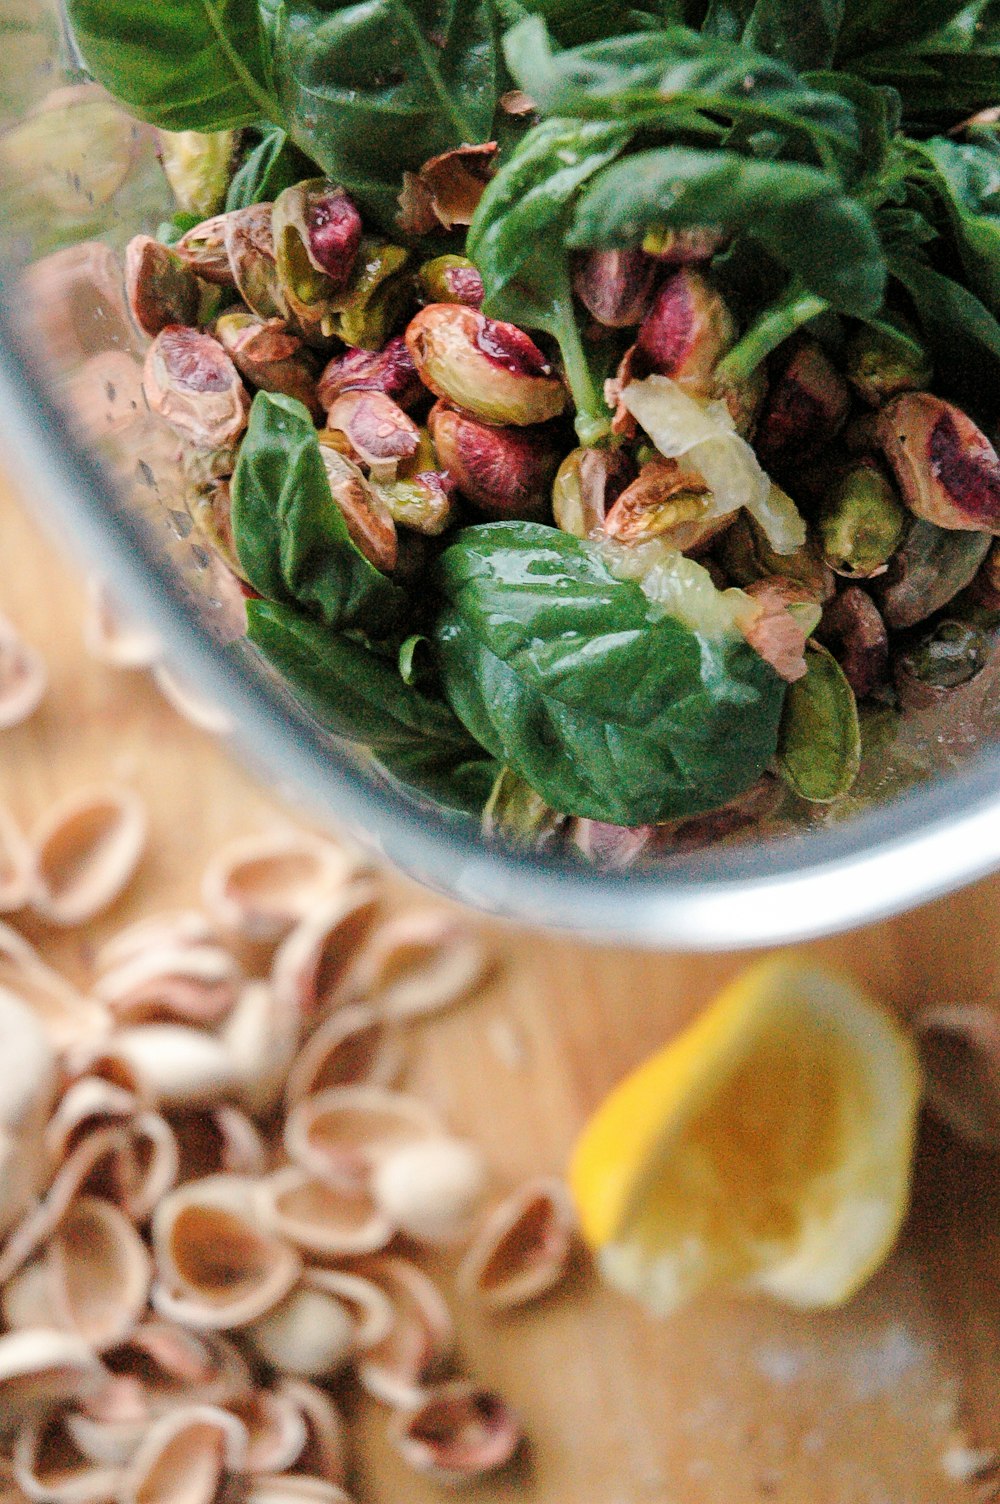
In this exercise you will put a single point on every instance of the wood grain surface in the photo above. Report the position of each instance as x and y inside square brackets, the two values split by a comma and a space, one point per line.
[728, 1403]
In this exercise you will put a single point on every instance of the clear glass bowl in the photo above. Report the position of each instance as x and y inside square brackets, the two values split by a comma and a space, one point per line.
[77, 179]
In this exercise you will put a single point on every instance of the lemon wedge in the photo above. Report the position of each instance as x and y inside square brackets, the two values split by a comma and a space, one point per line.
[767, 1148]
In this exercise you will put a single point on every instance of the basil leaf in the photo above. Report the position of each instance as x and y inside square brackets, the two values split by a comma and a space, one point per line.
[180, 64]
[372, 89]
[819, 747]
[290, 535]
[273, 165]
[355, 692]
[802, 215]
[962, 334]
[678, 79]
[939, 84]
[966, 177]
[804, 36]
[609, 708]
[869, 25]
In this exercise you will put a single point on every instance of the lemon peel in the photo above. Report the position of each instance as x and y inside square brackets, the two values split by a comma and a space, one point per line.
[768, 1148]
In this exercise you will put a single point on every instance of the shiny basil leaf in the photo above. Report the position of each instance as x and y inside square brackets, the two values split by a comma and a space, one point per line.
[804, 36]
[290, 535]
[198, 65]
[356, 692]
[960, 331]
[800, 214]
[819, 745]
[370, 90]
[870, 25]
[273, 165]
[608, 707]
[966, 178]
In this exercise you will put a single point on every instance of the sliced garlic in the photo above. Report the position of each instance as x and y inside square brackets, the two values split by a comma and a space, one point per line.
[87, 848]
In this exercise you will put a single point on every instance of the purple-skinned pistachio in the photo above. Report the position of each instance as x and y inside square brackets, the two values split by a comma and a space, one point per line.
[420, 497]
[930, 567]
[740, 817]
[947, 470]
[881, 364]
[806, 408]
[682, 247]
[686, 332]
[380, 433]
[667, 500]
[587, 484]
[451, 279]
[861, 522]
[390, 371]
[943, 666]
[203, 249]
[616, 287]
[747, 556]
[250, 249]
[160, 288]
[376, 298]
[490, 369]
[191, 382]
[853, 629]
[506, 472]
[269, 356]
[317, 237]
[365, 514]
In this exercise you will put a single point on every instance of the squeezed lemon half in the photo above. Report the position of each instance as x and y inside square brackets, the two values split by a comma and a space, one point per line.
[768, 1147]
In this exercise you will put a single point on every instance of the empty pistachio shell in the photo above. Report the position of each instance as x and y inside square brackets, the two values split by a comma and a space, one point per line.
[293, 1488]
[168, 1364]
[218, 1140]
[98, 1272]
[113, 638]
[319, 1218]
[419, 963]
[357, 1046]
[217, 1269]
[325, 1449]
[819, 741]
[960, 1050]
[27, 1081]
[15, 865]
[523, 1248]
[276, 1430]
[185, 1456]
[369, 1307]
[456, 1433]
[263, 885]
[87, 1103]
[310, 964]
[87, 848]
[22, 1175]
[175, 1066]
[260, 1038]
[342, 1134]
[23, 677]
[309, 1333]
[41, 1367]
[105, 1442]
[430, 1189]
[420, 1339]
[64, 1014]
[50, 1469]
[196, 984]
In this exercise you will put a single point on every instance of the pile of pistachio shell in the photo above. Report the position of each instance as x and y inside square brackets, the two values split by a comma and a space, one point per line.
[430, 413]
[216, 1203]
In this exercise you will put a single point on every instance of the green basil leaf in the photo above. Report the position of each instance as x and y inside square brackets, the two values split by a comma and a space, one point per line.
[819, 747]
[180, 64]
[804, 36]
[869, 25]
[273, 165]
[802, 216]
[966, 176]
[609, 708]
[961, 333]
[169, 231]
[372, 89]
[290, 535]
[938, 84]
[678, 79]
[355, 692]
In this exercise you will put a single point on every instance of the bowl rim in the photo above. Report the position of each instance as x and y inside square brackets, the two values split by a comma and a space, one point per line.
[926, 842]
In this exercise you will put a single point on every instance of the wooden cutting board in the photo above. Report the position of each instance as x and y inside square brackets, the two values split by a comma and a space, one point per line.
[728, 1403]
